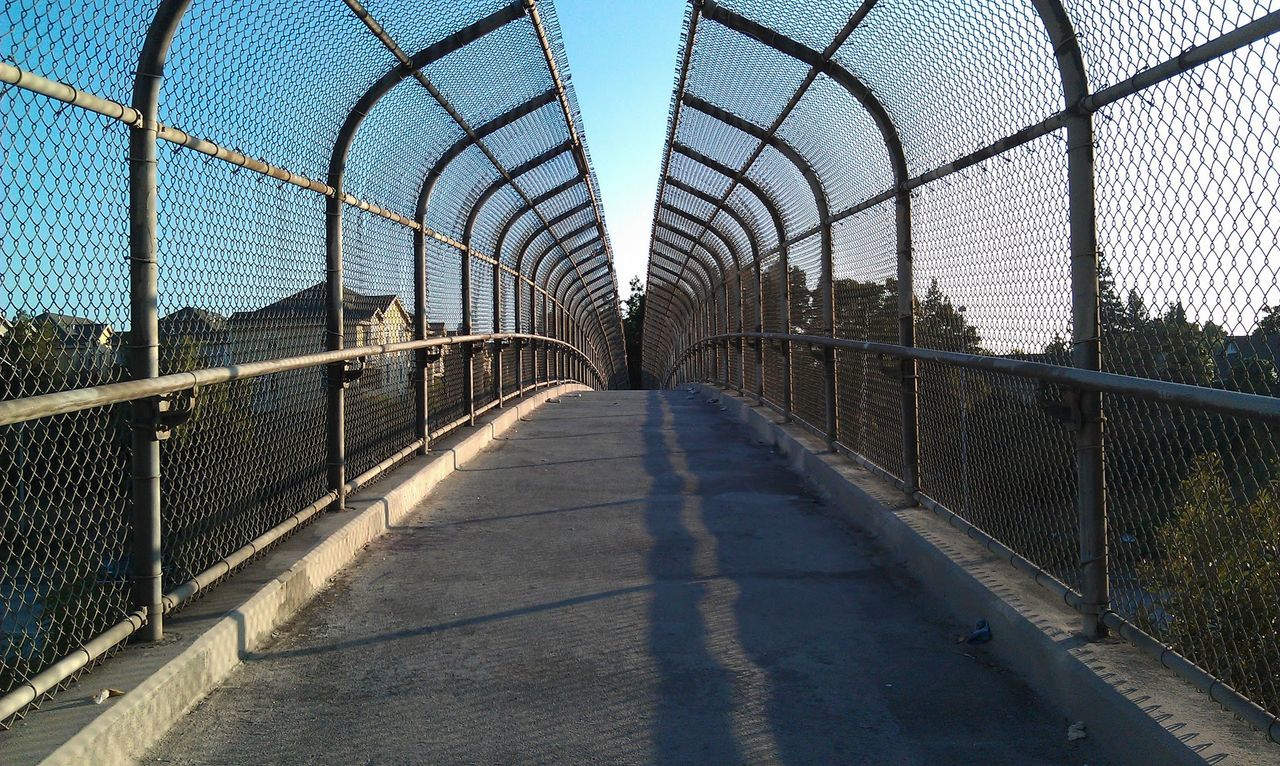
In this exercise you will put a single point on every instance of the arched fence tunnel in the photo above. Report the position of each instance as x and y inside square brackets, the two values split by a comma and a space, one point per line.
[1017, 258]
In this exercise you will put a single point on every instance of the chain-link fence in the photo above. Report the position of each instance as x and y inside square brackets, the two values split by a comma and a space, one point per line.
[960, 223]
[255, 256]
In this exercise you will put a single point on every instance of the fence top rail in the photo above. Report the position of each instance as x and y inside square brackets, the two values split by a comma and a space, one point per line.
[64, 402]
[1218, 400]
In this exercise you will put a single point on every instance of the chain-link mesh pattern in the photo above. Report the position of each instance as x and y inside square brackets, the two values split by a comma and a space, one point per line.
[937, 135]
[470, 154]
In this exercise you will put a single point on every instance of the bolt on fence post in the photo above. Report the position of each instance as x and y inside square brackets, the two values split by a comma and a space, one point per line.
[144, 333]
[1086, 345]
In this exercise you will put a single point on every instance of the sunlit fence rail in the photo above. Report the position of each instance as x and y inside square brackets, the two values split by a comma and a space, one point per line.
[256, 256]
[1019, 257]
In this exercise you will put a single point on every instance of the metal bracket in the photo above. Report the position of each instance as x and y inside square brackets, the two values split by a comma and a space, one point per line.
[431, 355]
[500, 343]
[1061, 404]
[890, 366]
[348, 371]
[172, 410]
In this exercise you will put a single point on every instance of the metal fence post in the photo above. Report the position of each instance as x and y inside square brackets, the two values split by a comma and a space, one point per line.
[827, 315]
[909, 369]
[144, 334]
[421, 379]
[468, 353]
[785, 296]
[497, 328]
[1086, 346]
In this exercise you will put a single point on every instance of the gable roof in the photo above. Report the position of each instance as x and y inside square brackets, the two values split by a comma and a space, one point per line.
[73, 329]
[192, 320]
[313, 302]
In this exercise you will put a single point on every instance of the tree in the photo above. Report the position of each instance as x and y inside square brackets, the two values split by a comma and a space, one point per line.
[1218, 576]
[1268, 322]
[632, 329]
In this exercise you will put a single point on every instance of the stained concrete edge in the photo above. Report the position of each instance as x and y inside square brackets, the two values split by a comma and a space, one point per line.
[128, 728]
[1142, 711]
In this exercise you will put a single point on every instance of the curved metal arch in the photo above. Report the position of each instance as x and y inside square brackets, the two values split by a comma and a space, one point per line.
[707, 285]
[468, 140]
[721, 279]
[732, 247]
[336, 436]
[707, 301]
[673, 286]
[524, 248]
[780, 233]
[505, 230]
[753, 241]
[766, 201]
[1086, 344]
[816, 60]
[499, 183]
[556, 244]
[807, 172]
[569, 261]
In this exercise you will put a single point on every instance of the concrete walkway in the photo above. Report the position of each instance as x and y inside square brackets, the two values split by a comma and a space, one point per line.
[625, 578]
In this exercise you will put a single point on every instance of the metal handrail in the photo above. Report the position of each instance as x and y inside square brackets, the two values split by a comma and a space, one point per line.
[64, 402]
[1218, 400]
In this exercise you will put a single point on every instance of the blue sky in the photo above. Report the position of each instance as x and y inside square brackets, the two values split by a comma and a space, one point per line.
[622, 56]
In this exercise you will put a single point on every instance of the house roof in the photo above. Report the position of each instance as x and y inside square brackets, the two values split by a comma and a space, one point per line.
[312, 302]
[192, 319]
[72, 328]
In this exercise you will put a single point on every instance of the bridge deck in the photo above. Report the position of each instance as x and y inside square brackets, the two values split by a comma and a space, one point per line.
[625, 578]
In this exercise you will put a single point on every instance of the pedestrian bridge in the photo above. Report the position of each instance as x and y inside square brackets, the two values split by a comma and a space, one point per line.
[953, 311]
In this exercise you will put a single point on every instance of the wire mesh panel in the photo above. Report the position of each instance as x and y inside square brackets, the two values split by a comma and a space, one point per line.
[397, 136]
[976, 151]
[63, 325]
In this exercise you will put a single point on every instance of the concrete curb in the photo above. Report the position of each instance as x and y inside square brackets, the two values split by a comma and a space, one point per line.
[1141, 711]
[127, 729]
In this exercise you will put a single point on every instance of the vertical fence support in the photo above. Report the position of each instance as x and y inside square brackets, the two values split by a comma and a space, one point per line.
[759, 327]
[497, 328]
[144, 334]
[336, 377]
[468, 350]
[784, 295]
[422, 377]
[1086, 346]
[519, 344]
[908, 369]
[827, 315]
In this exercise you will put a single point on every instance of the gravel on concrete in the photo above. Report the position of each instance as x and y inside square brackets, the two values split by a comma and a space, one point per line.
[624, 578]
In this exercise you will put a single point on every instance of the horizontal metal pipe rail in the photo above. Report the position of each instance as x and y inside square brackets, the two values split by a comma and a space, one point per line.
[1226, 402]
[63, 402]
[1235, 403]
[63, 670]
[67, 94]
